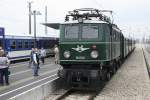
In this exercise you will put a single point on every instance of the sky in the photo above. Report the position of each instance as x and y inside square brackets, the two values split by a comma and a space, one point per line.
[131, 16]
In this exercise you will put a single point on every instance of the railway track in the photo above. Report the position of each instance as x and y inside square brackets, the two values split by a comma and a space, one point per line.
[77, 94]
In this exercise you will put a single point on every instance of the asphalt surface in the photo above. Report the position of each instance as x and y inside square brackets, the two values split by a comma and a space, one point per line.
[22, 79]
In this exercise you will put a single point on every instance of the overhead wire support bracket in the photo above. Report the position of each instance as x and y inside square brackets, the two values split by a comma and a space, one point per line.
[88, 13]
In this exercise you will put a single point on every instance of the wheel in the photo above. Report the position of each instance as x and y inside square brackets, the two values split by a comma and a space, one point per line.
[103, 75]
[114, 70]
[119, 64]
[108, 76]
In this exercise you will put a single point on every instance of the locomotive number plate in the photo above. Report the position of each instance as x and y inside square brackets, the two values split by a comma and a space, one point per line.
[80, 57]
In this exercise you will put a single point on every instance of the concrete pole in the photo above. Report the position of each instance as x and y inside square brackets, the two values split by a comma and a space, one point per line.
[34, 14]
[29, 5]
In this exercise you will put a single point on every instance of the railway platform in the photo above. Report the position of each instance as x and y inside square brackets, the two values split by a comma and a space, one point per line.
[22, 81]
[131, 82]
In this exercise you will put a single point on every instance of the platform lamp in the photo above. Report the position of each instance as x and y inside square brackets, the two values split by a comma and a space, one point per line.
[34, 13]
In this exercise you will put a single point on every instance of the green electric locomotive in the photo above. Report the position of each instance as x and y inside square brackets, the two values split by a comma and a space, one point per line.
[91, 47]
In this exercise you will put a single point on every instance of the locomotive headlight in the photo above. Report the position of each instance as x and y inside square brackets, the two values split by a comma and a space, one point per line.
[67, 54]
[94, 54]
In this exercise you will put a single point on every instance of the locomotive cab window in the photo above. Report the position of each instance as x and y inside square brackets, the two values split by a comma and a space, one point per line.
[89, 31]
[71, 31]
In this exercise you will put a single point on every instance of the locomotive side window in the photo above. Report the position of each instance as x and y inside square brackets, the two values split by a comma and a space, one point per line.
[106, 31]
[114, 35]
[71, 32]
[13, 44]
[89, 32]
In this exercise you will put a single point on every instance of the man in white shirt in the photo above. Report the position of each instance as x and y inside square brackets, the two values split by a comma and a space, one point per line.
[56, 51]
[35, 62]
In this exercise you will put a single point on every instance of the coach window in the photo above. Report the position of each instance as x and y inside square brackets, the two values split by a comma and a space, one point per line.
[71, 32]
[13, 44]
[32, 44]
[89, 32]
[46, 44]
[20, 45]
[26, 44]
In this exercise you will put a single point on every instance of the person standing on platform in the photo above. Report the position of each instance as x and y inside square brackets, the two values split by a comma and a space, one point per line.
[35, 62]
[43, 55]
[56, 51]
[4, 65]
[6, 53]
[1, 49]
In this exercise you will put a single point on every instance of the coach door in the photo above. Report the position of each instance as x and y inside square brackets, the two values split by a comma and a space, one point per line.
[1, 42]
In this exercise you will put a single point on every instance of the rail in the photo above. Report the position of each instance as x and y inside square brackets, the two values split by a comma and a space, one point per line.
[91, 94]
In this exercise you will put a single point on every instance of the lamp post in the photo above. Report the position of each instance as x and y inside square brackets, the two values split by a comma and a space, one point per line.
[34, 13]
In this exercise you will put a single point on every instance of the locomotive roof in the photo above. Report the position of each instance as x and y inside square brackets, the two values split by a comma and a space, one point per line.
[115, 27]
[84, 21]
[56, 25]
[52, 25]
[84, 15]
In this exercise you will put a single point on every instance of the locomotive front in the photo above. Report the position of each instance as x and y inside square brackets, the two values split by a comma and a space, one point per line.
[79, 44]
[83, 48]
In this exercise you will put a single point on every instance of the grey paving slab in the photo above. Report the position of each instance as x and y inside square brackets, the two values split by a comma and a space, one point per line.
[131, 82]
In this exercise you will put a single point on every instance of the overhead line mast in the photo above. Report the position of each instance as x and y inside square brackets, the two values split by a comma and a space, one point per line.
[45, 19]
[29, 6]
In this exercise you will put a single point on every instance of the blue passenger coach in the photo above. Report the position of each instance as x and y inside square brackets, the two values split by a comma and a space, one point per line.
[19, 47]
[2, 36]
